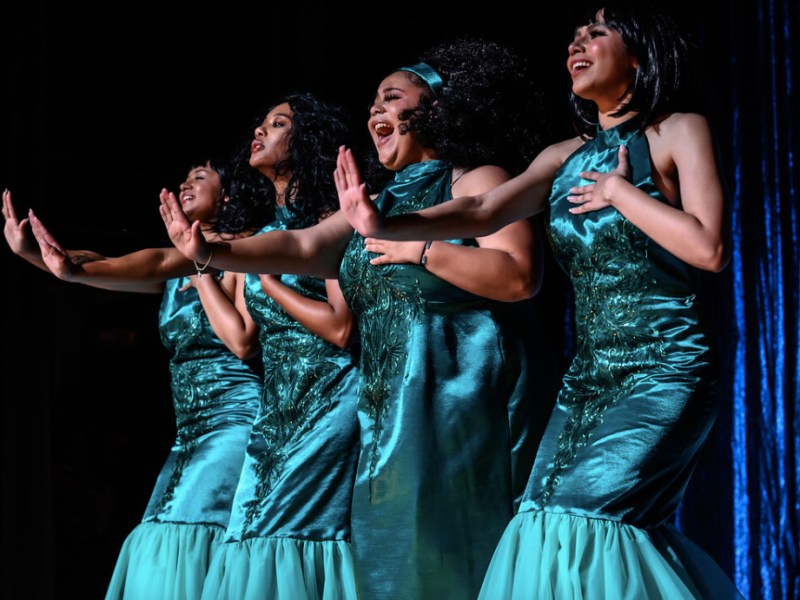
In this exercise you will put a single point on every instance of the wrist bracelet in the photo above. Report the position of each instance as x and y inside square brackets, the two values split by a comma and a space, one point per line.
[203, 268]
[424, 258]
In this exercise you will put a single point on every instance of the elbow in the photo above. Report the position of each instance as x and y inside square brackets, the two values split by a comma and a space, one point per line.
[519, 288]
[715, 260]
[245, 351]
[343, 335]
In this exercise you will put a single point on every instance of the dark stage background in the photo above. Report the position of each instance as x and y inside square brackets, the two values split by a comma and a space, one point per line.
[104, 105]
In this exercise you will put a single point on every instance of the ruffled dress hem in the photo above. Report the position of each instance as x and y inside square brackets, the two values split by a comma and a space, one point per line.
[547, 555]
[164, 561]
[281, 568]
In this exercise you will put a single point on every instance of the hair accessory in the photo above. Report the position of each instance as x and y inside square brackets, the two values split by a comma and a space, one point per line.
[426, 72]
[205, 266]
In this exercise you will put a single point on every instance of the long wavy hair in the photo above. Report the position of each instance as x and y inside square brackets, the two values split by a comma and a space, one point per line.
[318, 129]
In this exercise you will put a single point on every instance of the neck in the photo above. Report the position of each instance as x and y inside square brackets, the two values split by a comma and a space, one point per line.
[607, 121]
[280, 183]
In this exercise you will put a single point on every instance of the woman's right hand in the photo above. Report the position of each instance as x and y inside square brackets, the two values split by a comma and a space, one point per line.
[54, 256]
[186, 236]
[354, 202]
[16, 231]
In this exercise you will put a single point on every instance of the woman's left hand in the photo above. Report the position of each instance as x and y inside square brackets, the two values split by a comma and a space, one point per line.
[394, 252]
[599, 194]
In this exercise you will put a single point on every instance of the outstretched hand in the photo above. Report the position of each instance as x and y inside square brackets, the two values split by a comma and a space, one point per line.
[54, 256]
[16, 231]
[354, 202]
[186, 236]
[598, 195]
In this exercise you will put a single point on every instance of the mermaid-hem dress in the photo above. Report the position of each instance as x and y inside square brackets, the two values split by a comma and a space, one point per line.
[634, 409]
[215, 397]
[446, 392]
[289, 533]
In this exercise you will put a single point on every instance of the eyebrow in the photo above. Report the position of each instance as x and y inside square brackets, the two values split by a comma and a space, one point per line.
[285, 115]
[389, 89]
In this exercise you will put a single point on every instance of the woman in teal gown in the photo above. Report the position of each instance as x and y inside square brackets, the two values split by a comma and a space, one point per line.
[289, 533]
[215, 391]
[637, 402]
[448, 383]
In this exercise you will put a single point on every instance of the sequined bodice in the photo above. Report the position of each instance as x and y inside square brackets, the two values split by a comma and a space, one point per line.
[389, 298]
[615, 269]
[202, 368]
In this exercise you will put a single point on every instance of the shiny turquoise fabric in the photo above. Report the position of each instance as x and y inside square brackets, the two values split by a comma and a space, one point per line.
[445, 415]
[216, 397]
[289, 532]
[635, 407]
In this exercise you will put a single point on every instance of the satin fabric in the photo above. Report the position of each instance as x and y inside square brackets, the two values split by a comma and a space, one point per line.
[446, 416]
[215, 397]
[289, 532]
[636, 405]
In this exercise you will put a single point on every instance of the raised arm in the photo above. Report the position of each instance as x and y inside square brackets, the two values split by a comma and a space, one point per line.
[315, 251]
[476, 215]
[692, 226]
[22, 243]
[506, 265]
[143, 271]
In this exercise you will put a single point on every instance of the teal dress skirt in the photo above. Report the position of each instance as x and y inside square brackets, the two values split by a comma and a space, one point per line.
[634, 410]
[445, 413]
[216, 397]
[289, 532]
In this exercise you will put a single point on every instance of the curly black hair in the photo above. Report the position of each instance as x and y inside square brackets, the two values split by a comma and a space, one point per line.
[666, 79]
[488, 110]
[318, 129]
[247, 208]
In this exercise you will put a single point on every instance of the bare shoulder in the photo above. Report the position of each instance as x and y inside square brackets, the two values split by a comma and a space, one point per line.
[479, 179]
[549, 160]
[556, 154]
[679, 126]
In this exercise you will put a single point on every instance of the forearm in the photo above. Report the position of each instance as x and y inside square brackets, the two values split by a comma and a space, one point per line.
[279, 252]
[332, 323]
[479, 215]
[143, 270]
[237, 332]
[486, 272]
[677, 231]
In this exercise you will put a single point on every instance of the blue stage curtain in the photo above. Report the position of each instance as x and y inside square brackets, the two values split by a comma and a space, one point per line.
[742, 505]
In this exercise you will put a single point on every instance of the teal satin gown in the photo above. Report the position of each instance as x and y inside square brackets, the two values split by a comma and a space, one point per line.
[446, 415]
[216, 397]
[289, 533]
[636, 405]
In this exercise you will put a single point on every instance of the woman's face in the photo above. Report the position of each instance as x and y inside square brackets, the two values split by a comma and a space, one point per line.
[270, 144]
[201, 194]
[600, 65]
[396, 150]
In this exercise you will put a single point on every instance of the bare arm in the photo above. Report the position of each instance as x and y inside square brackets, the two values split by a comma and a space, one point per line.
[505, 266]
[476, 215]
[142, 271]
[331, 320]
[21, 241]
[315, 251]
[692, 229]
[223, 302]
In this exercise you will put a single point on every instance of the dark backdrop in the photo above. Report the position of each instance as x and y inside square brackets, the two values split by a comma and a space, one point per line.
[103, 106]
